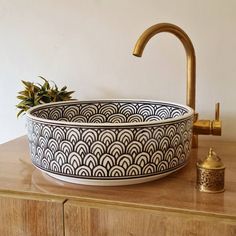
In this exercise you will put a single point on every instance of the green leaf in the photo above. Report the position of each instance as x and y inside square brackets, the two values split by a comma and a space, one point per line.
[19, 113]
[22, 97]
[26, 83]
[46, 84]
[25, 93]
[64, 88]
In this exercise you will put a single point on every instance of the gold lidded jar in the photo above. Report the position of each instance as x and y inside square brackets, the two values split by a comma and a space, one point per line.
[210, 174]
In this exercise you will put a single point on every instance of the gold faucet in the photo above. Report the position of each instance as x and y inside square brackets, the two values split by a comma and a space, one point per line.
[199, 126]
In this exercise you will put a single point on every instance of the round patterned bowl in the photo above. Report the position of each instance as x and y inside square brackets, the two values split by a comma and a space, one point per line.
[109, 142]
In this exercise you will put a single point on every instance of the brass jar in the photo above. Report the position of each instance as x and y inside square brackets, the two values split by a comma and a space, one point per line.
[210, 174]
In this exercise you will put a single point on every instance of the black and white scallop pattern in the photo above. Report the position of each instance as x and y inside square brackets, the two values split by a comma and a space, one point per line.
[110, 152]
[110, 112]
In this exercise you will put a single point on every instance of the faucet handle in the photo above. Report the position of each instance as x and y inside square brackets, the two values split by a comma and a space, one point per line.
[208, 126]
[217, 111]
[216, 124]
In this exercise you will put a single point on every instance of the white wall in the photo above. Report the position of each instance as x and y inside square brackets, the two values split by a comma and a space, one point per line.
[87, 45]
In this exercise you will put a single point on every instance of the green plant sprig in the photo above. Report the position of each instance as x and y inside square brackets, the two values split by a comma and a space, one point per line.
[36, 94]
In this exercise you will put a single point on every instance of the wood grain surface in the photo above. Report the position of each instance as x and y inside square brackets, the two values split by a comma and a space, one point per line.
[85, 219]
[24, 215]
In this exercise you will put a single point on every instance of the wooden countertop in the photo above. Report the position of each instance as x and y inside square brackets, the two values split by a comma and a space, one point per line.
[176, 192]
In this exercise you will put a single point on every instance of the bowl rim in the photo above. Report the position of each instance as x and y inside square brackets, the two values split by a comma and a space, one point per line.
[190, 112]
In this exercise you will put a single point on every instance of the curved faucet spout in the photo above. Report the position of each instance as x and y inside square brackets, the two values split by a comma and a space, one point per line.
[183, 37]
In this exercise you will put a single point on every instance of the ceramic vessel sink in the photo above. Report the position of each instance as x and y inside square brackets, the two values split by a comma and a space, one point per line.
[109, 142]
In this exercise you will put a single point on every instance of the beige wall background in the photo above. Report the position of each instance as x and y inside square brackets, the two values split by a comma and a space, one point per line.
[88, 44]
